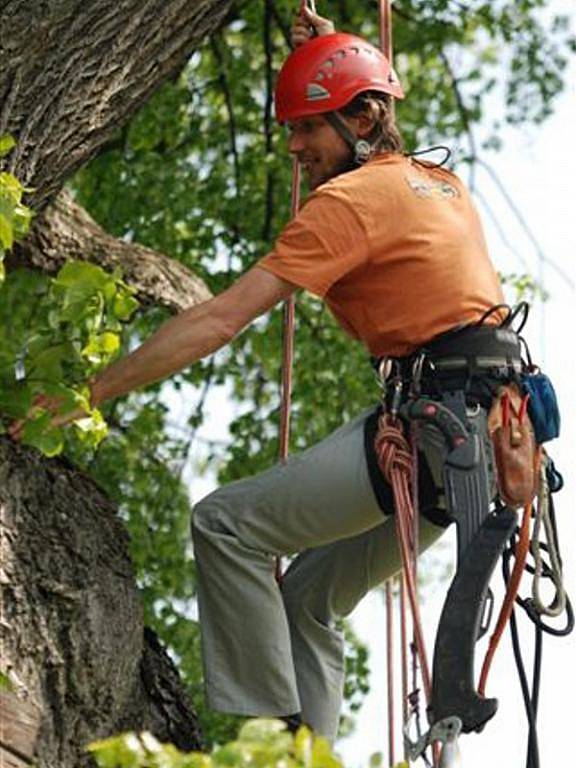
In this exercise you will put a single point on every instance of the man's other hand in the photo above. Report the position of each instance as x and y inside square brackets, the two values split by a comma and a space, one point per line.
[47, 403]
[307, 25]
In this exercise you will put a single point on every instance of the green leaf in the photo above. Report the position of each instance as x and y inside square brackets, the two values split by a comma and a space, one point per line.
[101, 347]
[39, 433]
[124, 751]
[15, 399]
[124, 305]
[261, 729]
[77, 274]
[92, 429]
[5, 684]
[10, 186]
[22, 219]
[6, 232]
[7, 144]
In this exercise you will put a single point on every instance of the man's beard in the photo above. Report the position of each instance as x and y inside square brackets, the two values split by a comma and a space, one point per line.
[348, 164]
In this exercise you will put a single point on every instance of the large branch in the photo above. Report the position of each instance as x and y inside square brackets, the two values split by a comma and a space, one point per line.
[65, 231]
[72, 73]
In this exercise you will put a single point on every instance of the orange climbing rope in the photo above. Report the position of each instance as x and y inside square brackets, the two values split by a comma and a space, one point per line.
[288, 330]
[511, 593]
[395, 461]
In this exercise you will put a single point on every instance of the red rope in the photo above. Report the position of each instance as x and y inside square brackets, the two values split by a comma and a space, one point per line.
[404, 644]
[511, 592]
[390, 671]
[288, 354]
[395, 461]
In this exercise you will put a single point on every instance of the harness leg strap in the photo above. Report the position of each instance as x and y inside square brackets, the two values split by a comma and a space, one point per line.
[482, 537]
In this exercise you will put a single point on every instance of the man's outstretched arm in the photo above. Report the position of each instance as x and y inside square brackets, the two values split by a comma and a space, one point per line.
[193, 334]
[181, 341]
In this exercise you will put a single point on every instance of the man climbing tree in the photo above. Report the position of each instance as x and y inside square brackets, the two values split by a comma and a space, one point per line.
[394, 247]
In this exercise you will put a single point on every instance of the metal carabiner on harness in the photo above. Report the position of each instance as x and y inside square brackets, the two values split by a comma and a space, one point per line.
[398, 386]
[445, 731]
[416, 380]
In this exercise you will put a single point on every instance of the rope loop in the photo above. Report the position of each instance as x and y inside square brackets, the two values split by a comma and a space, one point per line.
[392, 448]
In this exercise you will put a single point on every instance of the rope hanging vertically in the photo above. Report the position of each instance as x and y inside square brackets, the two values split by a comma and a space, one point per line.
[288, 329]
[385, 30]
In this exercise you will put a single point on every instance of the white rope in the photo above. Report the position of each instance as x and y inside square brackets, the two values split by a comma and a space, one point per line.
[558, 604]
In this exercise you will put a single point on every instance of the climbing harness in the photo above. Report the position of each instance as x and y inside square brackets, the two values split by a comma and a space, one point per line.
[444, 384]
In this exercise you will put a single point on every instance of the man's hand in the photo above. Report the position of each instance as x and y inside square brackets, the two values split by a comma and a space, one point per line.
[46, 403]
[307, 25]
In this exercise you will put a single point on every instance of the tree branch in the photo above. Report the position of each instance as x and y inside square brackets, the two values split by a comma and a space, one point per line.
[65, 231]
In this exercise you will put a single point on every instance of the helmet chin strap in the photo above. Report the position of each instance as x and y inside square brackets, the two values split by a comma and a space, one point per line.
[361, 149]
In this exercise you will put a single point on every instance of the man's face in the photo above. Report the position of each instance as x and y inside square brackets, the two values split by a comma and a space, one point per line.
[321, 151]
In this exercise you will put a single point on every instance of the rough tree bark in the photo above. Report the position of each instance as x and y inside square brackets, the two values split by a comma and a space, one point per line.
[65, 231]
[71, 73]
[73, 640]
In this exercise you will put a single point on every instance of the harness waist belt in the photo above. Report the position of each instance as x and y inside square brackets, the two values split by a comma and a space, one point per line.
[480, 347]
[480, 362]
[473, 348]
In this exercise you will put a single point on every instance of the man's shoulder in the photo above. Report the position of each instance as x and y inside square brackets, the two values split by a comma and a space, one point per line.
[362, 186]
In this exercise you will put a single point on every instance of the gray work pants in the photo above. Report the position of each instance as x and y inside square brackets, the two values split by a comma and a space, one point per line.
[270, 651]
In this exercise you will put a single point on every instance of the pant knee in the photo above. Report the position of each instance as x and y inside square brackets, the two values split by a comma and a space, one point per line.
[304, 606]
[206, 516]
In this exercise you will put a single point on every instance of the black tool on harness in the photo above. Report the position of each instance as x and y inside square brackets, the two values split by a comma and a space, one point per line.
[482, 537]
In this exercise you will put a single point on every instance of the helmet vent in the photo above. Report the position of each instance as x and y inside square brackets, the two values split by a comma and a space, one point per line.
[315, 92]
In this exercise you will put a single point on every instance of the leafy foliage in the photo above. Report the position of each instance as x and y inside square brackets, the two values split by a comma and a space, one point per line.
[5, 684]
[261, 743]
[204, 177]
[67, 330]
[14, 216]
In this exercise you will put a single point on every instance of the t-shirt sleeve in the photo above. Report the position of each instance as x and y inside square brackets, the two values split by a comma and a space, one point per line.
[324, 242]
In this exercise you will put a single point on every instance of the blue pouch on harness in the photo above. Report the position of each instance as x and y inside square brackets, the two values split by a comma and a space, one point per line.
[542, 406]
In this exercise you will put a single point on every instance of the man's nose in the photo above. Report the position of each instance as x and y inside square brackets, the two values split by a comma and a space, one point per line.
[295, 142]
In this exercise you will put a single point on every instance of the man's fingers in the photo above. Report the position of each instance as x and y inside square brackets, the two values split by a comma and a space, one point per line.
[15, 429]
[48, 403]
[321, 25]
[307, 24]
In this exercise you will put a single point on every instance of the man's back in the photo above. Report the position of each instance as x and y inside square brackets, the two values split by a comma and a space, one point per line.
[395, 248]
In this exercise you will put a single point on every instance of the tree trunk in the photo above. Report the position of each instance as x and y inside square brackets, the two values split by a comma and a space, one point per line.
[73, 641]
[72, 72]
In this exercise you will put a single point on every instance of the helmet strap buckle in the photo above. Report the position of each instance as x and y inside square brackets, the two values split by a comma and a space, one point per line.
[362, 151]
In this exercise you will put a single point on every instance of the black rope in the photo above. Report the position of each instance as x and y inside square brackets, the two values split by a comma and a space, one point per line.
[438, 147]
[530, 697]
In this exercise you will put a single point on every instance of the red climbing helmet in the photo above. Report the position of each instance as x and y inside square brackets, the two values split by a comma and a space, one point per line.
[327, 72]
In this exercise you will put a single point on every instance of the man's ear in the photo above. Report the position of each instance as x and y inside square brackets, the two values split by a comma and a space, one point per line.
[366, 121]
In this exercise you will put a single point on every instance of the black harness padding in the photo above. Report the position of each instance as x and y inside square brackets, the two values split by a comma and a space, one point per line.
[427, 492]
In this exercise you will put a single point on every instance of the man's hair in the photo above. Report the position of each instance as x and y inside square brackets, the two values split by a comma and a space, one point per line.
[385, 136]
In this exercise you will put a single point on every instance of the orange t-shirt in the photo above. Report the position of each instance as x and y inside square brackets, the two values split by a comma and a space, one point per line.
[396, 250]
